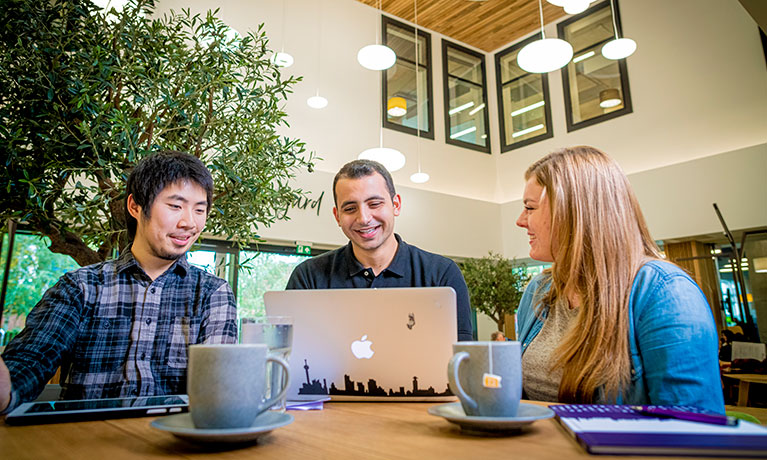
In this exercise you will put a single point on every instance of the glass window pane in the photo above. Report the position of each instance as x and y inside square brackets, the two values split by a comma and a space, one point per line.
[465, 101]
[401, 41]
[220, 264]
[596, 88]
[595, 28]
[464, 66]
[400, 86]
[595, 76]
[466, 109]
[205, 260]
[33, 270]
[509, 67]
[525, 116]
[261, 272]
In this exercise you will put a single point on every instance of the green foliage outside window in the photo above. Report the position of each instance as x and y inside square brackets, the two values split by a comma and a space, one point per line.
[33, 270]
[262, 272]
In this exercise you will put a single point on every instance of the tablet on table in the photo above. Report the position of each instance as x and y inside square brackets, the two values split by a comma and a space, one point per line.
[96, 409]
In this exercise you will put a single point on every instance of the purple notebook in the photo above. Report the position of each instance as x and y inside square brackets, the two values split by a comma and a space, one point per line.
[605, 429]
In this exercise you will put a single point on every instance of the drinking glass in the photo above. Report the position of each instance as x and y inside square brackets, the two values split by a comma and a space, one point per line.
[277, 333]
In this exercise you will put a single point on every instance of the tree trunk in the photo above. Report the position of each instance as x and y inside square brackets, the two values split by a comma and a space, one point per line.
[70, 244]
[501, 323]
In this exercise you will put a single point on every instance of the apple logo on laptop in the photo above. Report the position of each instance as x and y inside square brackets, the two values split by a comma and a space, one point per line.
[361, 348]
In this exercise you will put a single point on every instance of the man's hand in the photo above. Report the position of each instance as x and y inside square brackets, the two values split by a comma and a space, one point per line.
[5, 386]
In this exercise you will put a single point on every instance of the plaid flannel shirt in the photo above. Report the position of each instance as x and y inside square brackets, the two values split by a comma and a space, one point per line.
[117, 333]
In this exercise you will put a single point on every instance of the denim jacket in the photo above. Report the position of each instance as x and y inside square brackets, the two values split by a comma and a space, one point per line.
[672, 337]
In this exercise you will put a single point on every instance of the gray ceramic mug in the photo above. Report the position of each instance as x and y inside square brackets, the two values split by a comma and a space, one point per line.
[487, 377]
[226, 384]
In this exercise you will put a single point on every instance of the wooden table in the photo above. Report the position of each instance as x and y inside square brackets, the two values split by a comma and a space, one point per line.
[744, 384]
[340, 431]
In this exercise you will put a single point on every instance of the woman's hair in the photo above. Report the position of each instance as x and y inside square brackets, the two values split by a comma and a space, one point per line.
[599, 240]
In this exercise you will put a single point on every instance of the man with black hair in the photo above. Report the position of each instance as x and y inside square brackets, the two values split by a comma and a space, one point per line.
[366, 204]
[122, 328]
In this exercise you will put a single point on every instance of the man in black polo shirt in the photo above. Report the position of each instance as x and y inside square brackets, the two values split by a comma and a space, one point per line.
[365, 207]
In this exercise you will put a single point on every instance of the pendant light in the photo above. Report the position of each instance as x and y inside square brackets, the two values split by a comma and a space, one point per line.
[391, 159]
[619, 48]
[282, 59]
[396, 106]
[317, 101]
[546, 54]
[573, 6]
[610, 97]
[376, 57]
[418, 177]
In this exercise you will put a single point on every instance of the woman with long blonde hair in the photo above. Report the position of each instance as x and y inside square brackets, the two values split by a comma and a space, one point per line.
[610, 321]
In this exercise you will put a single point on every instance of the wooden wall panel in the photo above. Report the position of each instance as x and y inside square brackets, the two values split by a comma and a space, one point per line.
[695, 258]
[486, 25]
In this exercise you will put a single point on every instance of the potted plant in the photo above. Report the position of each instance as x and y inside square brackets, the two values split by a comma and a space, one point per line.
[496, 285]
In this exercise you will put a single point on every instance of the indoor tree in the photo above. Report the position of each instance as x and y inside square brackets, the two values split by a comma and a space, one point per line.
[86, 93]
[496, 285]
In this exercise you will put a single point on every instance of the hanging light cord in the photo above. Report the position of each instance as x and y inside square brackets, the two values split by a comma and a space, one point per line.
[319, 50]
[540, 9]
[379, 21]
[615, 26]
[283, 27]
[417, 87]
[380, 84]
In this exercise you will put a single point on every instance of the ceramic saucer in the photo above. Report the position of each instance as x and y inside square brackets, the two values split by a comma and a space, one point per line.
[527, 414]
[181, 425]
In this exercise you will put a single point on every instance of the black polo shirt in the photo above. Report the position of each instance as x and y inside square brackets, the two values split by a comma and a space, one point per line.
[411, 267]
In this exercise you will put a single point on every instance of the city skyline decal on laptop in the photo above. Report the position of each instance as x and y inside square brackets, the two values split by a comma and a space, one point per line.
[352, 388]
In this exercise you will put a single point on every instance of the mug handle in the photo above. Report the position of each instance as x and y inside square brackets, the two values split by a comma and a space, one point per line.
[273, 400]
[455, 383]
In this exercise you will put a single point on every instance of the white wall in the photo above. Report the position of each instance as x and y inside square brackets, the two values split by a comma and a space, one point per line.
[444, 224]
[350, 123]
[698, 84]
[677, 200]
[699, 88]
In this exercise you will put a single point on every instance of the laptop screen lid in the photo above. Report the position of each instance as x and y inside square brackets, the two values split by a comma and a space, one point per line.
[389, 344]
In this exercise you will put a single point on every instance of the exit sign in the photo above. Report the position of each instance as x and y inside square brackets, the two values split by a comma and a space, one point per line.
[303, 249]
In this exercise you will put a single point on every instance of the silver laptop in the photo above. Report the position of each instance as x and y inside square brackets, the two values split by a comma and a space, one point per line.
[388, 344]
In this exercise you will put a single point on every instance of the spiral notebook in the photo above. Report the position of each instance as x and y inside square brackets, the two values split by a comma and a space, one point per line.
[618, 430]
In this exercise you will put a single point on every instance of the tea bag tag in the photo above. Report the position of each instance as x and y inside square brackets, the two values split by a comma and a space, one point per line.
[490, 380]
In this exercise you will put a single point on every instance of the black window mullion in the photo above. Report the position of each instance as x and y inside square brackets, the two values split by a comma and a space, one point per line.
[502, 109]
[446, 91]
[425, 131]
[622, 68]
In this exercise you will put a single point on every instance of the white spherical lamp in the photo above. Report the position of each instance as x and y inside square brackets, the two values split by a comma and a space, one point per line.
[317, 102]
[620, 48]
[392, 159]
[282, 59]
[376, 57]
[545, 55]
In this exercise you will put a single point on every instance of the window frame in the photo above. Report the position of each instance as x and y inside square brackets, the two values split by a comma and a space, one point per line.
[427, 134]
[446, 96]
[622, 66]
[499, 92]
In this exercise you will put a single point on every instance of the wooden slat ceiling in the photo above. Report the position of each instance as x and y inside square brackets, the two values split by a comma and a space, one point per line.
[487, 25]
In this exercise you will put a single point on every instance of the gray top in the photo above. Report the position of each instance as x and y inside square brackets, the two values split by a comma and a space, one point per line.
[539, 381]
